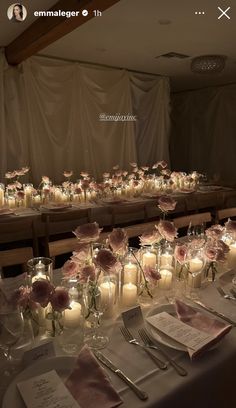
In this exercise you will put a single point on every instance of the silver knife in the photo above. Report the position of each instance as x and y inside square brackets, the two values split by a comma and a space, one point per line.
[214, 312]
[141, 394]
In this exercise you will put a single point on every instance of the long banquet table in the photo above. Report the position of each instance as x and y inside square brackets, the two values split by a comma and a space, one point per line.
[210, 382]
[200, 200]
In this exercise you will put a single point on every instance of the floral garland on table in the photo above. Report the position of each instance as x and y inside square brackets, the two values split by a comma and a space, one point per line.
[118, 181]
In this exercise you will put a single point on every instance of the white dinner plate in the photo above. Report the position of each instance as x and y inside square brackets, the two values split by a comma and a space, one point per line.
[113, 200]
[6, 211]
[55, 207]
[157, 334]
[63, 366]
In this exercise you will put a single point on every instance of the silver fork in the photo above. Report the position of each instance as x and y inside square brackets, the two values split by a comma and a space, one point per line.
[223, 294]
[129, 337]
[148, 342]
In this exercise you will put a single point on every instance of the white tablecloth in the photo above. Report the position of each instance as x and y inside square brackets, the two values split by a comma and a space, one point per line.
[211, 379]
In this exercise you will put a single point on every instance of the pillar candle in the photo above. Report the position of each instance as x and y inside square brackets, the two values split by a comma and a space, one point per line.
[166, 259]
[166, 279]
[1, 196]
[130, 273]
[232, 256]
[129, 294]
[108, 297]
[11, 202]
[28, 196]
[195, 265]
[39, 276]
[72, 316]
[149, 259]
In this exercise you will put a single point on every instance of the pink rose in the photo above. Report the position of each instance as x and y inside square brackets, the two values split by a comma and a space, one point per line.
[107, 261]
[166, 203]
[151, 274]
[106, 175]
[180, 253]
[19, 172]
[87, 273]
[25, 169]
[20, 195]
[41, 291]
[85, 184]
[166, 172]
[150, 237]
[45, 179]
[133, 164]
[78, 190]
[84, 174]
[216, 251]
[88, 232]
[162, 164]
[116, 167]
[60, 299]
[215, 232]
[10, 174]
[81, 253]
[21, 298]
[145, 168]
[167, 230]
[118, 240]
[68, 173]
[70, 269]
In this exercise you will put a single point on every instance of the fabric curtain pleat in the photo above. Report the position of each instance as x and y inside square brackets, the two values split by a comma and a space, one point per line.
[51, 118]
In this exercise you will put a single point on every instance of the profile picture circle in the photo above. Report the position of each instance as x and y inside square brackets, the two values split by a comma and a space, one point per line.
[16, 12]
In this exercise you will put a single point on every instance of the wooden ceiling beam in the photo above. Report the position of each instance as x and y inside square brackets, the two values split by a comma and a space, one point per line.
[47, 29]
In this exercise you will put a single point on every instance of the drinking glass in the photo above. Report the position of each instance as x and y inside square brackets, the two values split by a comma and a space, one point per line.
[99, 298]
[11, 330]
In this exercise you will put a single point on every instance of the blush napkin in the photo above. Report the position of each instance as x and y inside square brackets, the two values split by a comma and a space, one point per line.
[89, 384]
[203, 322]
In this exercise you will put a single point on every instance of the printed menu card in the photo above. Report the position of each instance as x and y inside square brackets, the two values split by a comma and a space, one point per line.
[181, 332]
[46, 391]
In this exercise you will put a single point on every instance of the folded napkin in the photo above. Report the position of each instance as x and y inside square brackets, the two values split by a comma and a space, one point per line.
[89, 384]
[203, 322]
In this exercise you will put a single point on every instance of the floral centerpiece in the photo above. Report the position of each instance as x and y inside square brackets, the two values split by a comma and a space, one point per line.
[215, 249]
[54, 299]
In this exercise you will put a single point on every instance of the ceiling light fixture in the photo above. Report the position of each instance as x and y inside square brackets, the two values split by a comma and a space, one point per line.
[208, 64]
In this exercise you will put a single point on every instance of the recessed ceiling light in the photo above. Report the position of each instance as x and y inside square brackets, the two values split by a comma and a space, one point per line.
[164, 21]
[208, 64]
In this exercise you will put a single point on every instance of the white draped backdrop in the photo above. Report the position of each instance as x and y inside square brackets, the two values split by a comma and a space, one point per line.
[50, 109]
[203, 133]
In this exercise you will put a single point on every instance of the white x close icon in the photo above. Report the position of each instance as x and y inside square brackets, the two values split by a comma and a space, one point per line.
[224, 13]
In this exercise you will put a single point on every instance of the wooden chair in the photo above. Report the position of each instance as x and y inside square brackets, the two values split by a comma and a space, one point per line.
[17, 256]
[15, 229]
[53, 220]
[194, 219]
[225, 213]
[138, 229]
[118, 213]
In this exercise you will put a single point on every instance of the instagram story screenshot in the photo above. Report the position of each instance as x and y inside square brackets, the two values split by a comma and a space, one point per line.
[117, 203]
